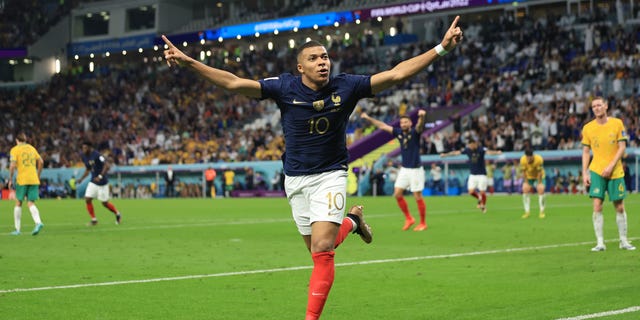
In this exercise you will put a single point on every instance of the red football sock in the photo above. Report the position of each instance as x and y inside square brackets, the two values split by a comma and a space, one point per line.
[422, 209]
[92, 213]
[343, 232]
[111, 207]
[320, 283]
[483, 198]
[404, 207]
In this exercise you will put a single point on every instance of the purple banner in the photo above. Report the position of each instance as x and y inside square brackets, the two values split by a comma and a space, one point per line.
[13, 53]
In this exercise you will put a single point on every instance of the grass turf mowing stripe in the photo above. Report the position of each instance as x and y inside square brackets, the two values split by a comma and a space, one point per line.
[345, 264]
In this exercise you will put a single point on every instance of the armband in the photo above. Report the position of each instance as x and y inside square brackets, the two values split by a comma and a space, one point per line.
[440, 50]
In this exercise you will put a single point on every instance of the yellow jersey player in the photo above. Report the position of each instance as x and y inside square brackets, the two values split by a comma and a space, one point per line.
[532, 169]
[606, 137]
[28, 164]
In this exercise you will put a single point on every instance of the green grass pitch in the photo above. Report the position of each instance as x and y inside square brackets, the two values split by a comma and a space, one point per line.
[243, 259]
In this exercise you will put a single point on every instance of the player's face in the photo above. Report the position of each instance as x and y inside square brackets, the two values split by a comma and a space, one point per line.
[405, 124]
[85, 149]
[599, 108]
[314, 66]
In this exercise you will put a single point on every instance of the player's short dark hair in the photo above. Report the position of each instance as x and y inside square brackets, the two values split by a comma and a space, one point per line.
[21, 136]
[405, 117]
[87, 143]
[308, 44]
[528, 152]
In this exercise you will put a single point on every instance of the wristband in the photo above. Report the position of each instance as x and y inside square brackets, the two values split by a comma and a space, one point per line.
[440, 50]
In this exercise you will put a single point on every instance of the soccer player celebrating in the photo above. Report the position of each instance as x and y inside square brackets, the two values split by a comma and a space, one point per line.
[477, 181]
[533, 175]
[98, 165]
[411, 175]
[26, 160]
[315, 109]
[606, 137]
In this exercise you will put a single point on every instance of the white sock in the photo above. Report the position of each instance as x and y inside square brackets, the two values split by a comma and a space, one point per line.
[526, 201]
[541, 202]
[598, 223]
[17, 214]
[35, 214]
[621, 220]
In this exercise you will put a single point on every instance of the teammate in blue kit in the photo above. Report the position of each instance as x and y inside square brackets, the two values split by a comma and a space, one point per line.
[411, 175]
[98, 165]
[478, 172]
[314, 110]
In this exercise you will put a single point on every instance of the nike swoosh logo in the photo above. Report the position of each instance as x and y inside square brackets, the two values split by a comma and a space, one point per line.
[298, 102]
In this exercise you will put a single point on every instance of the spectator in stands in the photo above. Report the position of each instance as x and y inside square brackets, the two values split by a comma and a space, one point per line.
[507, 177]
[606, 137]
[170, 179]
[490, 167]
[229, 181]
[315, 164]
[411, 176]
[210, 177]
[436, 178]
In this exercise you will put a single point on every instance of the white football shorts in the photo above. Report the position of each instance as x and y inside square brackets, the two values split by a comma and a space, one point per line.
[477, 181]
[95, 191]
[317, 197]
[410, 178]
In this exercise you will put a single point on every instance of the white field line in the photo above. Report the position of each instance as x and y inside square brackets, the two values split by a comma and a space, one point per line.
[295, 268]
[603, 314]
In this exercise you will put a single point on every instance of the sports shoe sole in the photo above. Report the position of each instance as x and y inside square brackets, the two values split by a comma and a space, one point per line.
[364, 230]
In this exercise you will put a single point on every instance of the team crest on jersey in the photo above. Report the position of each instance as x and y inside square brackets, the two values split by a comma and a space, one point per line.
[335, 99]
[318, 105]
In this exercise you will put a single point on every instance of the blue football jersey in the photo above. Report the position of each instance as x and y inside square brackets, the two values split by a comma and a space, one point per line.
[409, 147]
[95, 162]
[476, 160]
[315, 122]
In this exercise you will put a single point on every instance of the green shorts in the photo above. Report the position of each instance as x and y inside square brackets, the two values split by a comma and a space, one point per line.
[30, 191]
[599, 185]
[532, 182]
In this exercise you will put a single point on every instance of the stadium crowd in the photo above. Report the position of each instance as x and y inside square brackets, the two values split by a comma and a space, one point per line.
[533, 77]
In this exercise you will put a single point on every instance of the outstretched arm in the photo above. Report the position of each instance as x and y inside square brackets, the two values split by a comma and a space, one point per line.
[220, 78]
[409, 68]
[379, 124]
[451, 153]
[420, 124]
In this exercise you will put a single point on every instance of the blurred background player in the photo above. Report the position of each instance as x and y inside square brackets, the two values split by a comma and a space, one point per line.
[477, 181]
[607, 138]
[26, 160]
[490, 167]
[411, 175]
[533, 175]
[98, 165]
